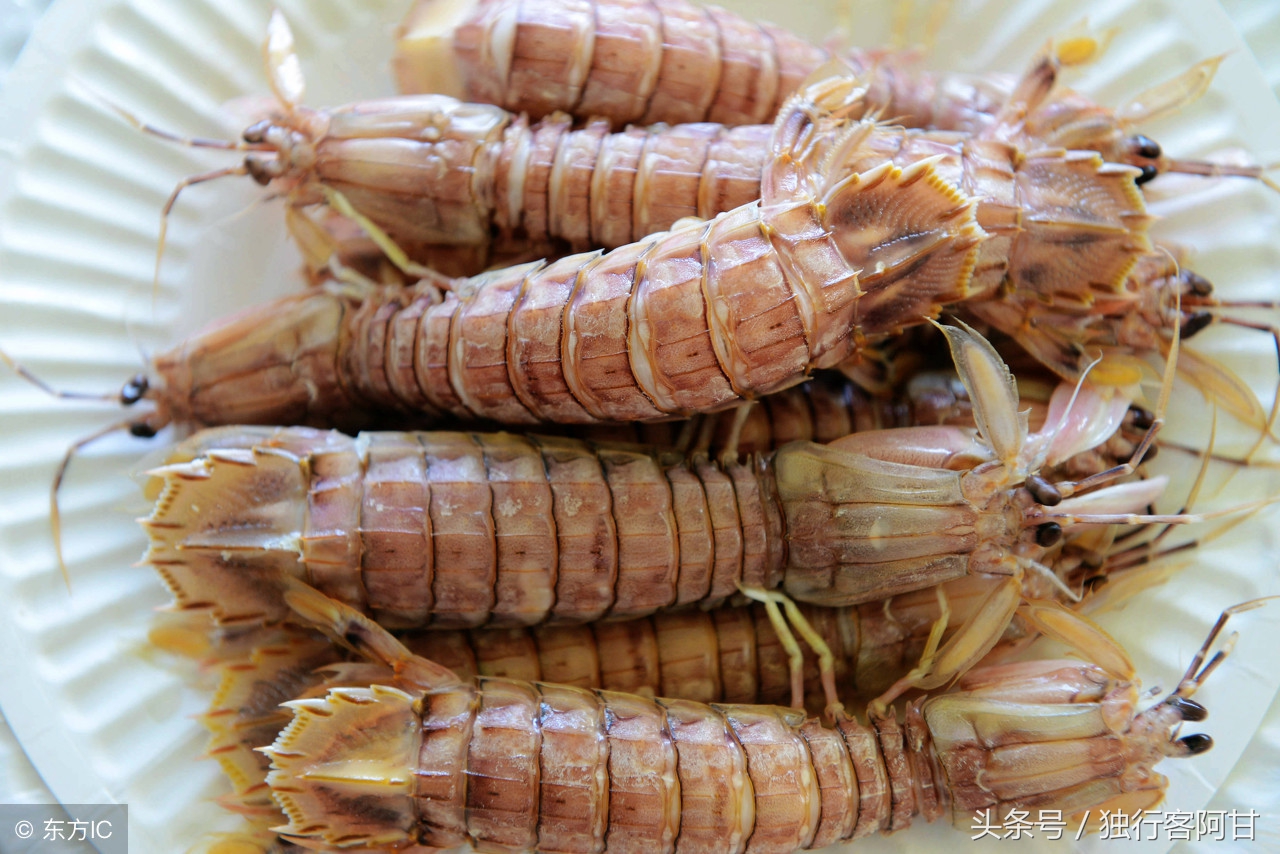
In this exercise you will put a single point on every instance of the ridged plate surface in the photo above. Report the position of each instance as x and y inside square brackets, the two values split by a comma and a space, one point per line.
[1258, 23]
[104, 718]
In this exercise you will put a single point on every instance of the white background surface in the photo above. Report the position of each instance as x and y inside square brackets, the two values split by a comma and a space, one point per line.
[99, 718]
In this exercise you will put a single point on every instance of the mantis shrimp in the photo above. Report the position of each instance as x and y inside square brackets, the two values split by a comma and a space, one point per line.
[430, 170]
[674, 61]
[726, 654]
[439, 761]
[457, 529]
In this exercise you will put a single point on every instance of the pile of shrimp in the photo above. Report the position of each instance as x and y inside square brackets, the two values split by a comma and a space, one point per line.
[699, 264]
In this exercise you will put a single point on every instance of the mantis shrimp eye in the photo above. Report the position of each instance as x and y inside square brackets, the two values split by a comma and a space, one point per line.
[256, 132]
[261, 169]
[1142, 418]
[1196, 743]
[1188, 708]
[142, 430]
[1145, 146]
[1043, 491]
[1148, 173]
[1198, 285]
[134, 390]
[1049, 534]
[1195, 323]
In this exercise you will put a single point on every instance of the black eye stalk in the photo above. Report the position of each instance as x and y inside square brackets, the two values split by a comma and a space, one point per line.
[1195, 323]
[1196, 743]
[134, 390]
[1143, 419]
[1197, 285]
[1043, 491]
[1049, 534]
[1189, 709]
[1146, 148]
[261, 169]
[256, 133]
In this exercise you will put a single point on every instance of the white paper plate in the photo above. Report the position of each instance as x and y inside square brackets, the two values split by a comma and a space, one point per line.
[80, 192]
[1258, 23]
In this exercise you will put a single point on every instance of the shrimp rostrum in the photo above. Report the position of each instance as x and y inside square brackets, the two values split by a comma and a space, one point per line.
[460, 530]
[508, 765]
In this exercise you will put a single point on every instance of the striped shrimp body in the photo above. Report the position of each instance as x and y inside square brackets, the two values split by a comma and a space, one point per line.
[666, 61]
[428, 170]
[728, 654]
[431, 170]
[440, 176]
[510, 765]
[674, 61]
[638, 62]
[823, 409]
[454, 529]
[831, 406]
[298, 384]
